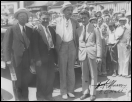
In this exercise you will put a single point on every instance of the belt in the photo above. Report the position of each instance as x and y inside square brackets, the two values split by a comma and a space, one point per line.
[68, 42]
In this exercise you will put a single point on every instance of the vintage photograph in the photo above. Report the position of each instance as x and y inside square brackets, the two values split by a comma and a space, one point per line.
[65, 50]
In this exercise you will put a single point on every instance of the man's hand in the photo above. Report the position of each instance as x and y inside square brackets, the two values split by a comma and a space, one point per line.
[98, 60]
[8, 62]
[35, 27]
[39, 63]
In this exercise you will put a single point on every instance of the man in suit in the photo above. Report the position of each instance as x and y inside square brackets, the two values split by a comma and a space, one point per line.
[44, 55]
[66, 46]
[90, 54]
[17, 51]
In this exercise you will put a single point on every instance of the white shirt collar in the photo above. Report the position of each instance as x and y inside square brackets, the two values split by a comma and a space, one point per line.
[21, 27]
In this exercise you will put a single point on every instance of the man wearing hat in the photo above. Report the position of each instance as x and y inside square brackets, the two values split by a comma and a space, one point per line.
[90, 54]
[45, 56]
[93, 20]
[66, 46]
[122, 36]
[17, 51]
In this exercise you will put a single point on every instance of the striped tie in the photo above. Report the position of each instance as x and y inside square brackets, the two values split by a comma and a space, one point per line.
[49, 38]
[26, 40]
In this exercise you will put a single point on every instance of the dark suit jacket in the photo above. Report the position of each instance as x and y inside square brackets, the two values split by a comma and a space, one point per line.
[41, 47]
[13, 44]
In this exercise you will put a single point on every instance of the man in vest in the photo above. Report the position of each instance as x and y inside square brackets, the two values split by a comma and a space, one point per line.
[66, 46]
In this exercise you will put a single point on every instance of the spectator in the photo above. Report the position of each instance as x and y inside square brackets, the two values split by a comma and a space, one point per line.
[112, 57]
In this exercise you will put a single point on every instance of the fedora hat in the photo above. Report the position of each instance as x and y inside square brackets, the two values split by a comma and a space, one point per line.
[21, 10]
[66, 5]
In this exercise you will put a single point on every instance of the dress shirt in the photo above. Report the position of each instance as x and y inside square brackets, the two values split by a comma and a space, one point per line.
[47, 34]
[111, 39]
[21, 28]
[68, 30]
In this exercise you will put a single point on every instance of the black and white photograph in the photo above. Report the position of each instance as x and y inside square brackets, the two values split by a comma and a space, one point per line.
[65, 50]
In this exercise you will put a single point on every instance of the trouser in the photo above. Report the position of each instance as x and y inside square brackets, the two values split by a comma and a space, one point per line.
[102, 66]
[123, 59]
[89, 75]
[67, 57]
[23, 77]
[45, 80]
[109, 61]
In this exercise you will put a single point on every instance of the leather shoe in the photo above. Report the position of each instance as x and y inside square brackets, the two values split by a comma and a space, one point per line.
[92, 97]
[84, 96]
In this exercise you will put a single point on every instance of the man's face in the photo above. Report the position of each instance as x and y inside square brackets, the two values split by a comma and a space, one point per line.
[84, 19]
[30, 19]
[107, 19]
[68, 12]
[22, 18]
[100, 20]
[99, 14]
[45, 19]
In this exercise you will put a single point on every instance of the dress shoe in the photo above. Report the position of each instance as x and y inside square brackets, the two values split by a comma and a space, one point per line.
[92, 97]
[71, 95]
[65, 97]
[84, 96]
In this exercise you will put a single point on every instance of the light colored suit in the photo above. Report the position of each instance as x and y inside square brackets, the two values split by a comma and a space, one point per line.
[67, 54]
[88, 52]
[123, 52]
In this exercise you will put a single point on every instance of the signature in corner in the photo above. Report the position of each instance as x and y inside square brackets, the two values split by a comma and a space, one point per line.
[108, 84]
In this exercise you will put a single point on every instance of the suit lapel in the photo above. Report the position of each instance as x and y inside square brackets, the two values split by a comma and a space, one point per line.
[18, 32]
[89, 31]
[42, 33]
[73, 28]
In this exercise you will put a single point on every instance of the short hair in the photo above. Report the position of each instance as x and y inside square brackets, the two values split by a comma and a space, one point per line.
[85, 12]
[44, 13]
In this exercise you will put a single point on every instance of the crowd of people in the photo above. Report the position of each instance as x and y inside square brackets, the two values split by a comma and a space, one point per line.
[100, 43]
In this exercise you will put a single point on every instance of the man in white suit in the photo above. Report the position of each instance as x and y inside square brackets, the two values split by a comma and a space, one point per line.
[90, 53]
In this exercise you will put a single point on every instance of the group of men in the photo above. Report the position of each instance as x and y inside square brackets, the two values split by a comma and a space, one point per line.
[45, 47]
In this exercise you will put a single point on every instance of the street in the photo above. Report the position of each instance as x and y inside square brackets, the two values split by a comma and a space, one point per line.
[116, 89]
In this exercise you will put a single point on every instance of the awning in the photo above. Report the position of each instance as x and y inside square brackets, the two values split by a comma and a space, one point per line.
[41, 3]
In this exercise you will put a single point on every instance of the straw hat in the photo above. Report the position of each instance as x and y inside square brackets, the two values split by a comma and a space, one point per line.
[21, 10]
[66, 5]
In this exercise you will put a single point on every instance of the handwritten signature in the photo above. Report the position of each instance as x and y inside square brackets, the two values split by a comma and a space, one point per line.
[108, 85]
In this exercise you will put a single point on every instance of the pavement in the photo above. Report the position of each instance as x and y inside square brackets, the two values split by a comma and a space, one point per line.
[115, 90]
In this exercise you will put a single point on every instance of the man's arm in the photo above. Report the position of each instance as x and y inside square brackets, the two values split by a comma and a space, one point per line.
[35, 46]
[7, 45]
[98, 43]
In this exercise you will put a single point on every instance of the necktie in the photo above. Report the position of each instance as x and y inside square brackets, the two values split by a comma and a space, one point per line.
[84, 34]
[26, 40]
[49, 37]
